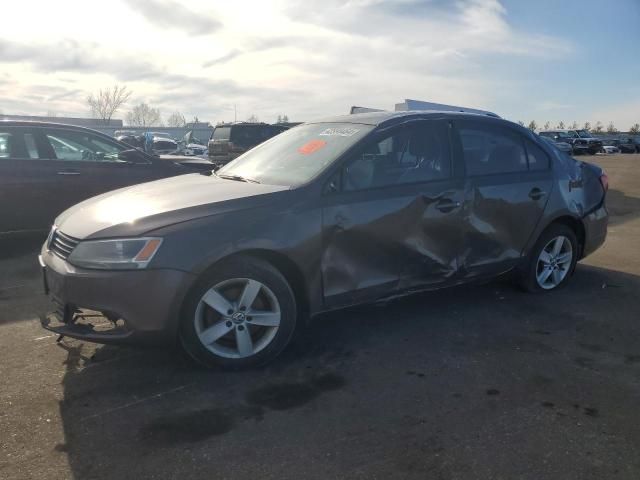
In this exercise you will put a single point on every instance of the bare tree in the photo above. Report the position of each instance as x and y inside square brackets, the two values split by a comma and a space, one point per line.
[635, 128]
[611, 128]
[533, 126]
[253, 119]
[52, 113]
[561, 125]
[587, 126]
[574, 125]
[144, 116]
[521, 123]
[176, 119]
[547, 125]
[107, 102]
[598, 128]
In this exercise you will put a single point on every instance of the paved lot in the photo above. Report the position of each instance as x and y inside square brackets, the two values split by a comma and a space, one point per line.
[480, 382]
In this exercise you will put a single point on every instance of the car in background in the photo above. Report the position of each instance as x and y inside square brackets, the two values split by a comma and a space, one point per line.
[164, 145]
[610, 146]
[582, 141]
[47, 167]
[330, 214]
[231, 140]
[562, 146]
[628, 144]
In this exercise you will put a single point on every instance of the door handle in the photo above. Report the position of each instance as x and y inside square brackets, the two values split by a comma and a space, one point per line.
[446, 205]
[69, 172]
[536, 194]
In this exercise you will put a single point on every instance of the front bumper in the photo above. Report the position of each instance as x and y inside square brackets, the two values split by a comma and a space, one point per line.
[133, 306]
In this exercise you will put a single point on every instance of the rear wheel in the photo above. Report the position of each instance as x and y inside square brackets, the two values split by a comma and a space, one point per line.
[241, 314]
[552, 260]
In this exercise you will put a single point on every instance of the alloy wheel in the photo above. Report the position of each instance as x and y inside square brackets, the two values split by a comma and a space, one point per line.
[554, 262]
[237, 318]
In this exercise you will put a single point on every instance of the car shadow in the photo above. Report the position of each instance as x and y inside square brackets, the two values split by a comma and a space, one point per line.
[153, 413]
[622, 207]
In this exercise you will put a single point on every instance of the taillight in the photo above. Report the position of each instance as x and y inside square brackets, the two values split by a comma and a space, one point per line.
[604, 180]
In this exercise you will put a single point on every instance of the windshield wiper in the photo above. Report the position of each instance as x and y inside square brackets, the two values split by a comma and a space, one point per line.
[237, 178]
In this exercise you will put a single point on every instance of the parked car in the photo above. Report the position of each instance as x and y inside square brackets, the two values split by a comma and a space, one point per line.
[610, 146]
[46, 167]
[229, 141]
[627, 144]
[581, 140]
[329, 214]
[562, 146]
[163, 145]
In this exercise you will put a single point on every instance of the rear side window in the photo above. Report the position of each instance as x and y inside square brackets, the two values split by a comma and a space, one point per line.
[6, 144]
[249, 135]
[17, 144]
[538, 160]
[489, 150]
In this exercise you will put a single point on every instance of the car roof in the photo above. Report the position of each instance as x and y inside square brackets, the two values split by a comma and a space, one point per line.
[32, 123]
[380, 118]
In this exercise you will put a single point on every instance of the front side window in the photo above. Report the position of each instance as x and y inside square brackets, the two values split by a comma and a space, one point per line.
[413, 154]
[296, 156]
[80, 146]
[490, 149]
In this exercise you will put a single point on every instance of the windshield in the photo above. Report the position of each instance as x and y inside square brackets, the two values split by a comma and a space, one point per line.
[584, 133]
[296, 156]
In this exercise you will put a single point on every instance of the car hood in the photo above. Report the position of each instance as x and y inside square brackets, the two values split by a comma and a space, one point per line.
[148, 206]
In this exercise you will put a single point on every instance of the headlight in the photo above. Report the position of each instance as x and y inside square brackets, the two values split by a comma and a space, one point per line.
[122, 253]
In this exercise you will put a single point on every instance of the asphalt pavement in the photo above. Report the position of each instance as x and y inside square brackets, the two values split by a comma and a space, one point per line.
[474, 382]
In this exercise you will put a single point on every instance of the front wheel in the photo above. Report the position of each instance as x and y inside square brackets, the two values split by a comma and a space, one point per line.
[552, 260]
[239, 315]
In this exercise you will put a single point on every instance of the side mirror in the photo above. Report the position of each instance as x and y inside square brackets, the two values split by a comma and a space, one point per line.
[132, 156]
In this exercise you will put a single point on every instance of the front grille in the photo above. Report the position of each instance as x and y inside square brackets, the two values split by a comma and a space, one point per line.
[62, 245]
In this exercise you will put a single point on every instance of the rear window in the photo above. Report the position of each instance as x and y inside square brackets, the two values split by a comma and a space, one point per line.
[221, 133]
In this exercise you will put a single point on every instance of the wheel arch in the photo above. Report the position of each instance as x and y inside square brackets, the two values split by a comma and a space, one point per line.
[572, 222]
[281, 262]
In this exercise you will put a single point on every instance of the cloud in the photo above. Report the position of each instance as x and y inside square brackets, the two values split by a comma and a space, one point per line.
[302, 58]
[223, 59]
[175, 15]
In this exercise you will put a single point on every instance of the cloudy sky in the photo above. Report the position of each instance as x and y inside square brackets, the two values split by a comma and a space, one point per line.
[542, 60]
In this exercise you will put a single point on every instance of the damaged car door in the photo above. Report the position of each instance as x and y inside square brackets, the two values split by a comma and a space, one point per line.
[391, 215]
[509, 180]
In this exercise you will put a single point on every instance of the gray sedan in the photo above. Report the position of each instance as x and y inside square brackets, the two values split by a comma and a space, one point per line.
[326, 215]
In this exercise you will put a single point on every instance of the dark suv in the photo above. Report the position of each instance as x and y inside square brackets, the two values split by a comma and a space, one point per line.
[229, 141]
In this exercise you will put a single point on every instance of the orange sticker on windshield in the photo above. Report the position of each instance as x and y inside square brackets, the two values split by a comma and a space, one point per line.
[312, 146]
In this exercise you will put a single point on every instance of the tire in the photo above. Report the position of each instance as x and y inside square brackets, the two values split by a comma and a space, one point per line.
[217, 330]
[557, 272]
